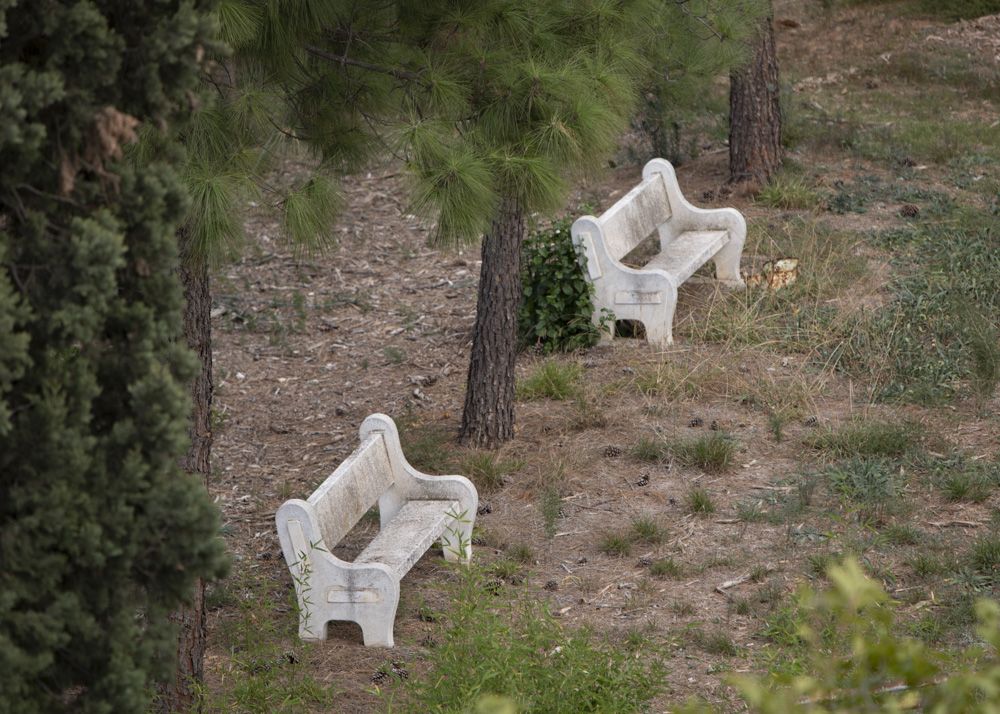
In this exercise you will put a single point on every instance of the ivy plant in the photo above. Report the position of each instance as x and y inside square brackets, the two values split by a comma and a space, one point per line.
[557, 299]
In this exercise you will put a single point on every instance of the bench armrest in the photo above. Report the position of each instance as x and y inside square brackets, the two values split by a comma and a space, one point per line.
[411, 484]
[688, 217]
[585, 233]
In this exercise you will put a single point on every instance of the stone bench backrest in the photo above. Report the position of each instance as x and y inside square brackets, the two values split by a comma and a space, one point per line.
[352, 489]
[635, 216]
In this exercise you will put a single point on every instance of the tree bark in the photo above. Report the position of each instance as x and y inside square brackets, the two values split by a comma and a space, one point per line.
[755, 113]
[178, 693]
[488, 416]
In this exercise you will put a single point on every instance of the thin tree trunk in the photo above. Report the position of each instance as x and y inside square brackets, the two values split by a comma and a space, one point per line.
[178, 694]
[488, 417]
[755, 113]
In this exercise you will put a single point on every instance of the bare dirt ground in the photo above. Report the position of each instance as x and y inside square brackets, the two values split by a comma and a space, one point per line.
[306, 348]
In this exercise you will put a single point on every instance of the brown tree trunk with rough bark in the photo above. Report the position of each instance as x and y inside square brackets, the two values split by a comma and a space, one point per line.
[178, 693]
[488, 417]
[755, 113]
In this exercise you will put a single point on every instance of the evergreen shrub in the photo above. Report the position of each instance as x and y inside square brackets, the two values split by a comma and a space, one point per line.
[101, 535]
[557, 300]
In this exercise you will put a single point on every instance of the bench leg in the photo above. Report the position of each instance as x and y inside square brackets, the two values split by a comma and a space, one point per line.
[377, 624]
[727, 265]
[660, 329]
[311, 630]
[660, 334]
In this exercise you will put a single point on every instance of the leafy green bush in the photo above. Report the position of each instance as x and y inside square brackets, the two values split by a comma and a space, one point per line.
[101, 534]
[557, 300]
[514, 648]
[859, 663]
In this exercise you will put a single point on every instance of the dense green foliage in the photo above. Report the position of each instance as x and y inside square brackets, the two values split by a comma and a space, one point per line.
[235, 142]
[486, 99]
[513, 647]
[698, 41]
[556, 299]
[101, 535]
[859, 663]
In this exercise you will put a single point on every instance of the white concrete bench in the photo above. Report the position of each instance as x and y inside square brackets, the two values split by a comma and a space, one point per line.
[415, 510]
[689, 238]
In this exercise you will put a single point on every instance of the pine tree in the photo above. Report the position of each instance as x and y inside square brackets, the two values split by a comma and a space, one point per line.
[493, 104]
[755, 111]
[490, 102]
[697, 42]
[102, 535]
[232, 143]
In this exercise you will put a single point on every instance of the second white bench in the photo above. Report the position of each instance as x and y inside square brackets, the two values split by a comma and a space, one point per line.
[689, 237]
[415, 511]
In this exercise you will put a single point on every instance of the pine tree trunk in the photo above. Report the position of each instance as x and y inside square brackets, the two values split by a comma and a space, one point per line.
[755, 113]
[178, 694]
[488, 417]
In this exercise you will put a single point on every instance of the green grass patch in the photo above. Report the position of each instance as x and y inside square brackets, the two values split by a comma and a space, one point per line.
[927, 565]
[715, 642]
[751, 511]
[712, 453]
[551, 380]
[521, 552]
[699, 501]
[647, 530]
[902, 534]
[665, 568]
[615, 544]
[960, 478]
[428, 447]
[650, 450]
[871, 487]
[515, 648]
[789, 192]
[959, 9]
[984, 556]
[797, 317]
[488, 471]
[269, 675]
[937, 337]
[551, 508]
[867, 438]
[965, 486]
[945, 67]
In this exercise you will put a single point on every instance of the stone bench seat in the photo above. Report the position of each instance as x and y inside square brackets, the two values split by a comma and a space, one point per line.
[688, 237]
[415, 511]
[410, 534]
[691, 250]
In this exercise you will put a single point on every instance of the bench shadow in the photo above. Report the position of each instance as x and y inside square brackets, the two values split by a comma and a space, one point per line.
[345, 631]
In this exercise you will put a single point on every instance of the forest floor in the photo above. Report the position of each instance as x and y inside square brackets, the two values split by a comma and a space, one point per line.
[597, 507]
